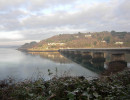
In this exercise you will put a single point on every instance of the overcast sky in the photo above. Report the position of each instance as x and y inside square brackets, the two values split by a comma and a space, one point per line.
[26, 20]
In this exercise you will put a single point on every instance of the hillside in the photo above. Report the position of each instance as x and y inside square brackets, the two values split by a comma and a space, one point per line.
[27, 45]
[84, 40]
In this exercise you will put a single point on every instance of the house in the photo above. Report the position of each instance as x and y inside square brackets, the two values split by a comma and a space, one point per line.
[103, 41]
[89, 35]
[61, 44]
[119, 42]
[77, 36]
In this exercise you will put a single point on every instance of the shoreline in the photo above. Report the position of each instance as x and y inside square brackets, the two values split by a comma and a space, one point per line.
[25, 50]
[114, 87]
[81, 49]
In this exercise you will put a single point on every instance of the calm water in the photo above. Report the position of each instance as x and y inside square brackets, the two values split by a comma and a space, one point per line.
[20, 65]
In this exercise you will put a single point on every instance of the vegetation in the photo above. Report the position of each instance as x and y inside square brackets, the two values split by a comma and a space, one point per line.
[83, 40]
[114, 87]
[121, 35]
[107, 39]
[27, 45]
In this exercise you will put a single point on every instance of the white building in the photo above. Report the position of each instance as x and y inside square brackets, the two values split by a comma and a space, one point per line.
[77, 36]
[103, 41]
[89, 35]
[119, 43]
[56, 44]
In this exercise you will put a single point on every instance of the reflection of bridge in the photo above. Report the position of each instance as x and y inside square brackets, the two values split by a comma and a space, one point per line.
[94, 59]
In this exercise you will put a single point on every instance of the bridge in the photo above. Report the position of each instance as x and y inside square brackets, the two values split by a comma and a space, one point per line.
[96, 57]
[112, 50]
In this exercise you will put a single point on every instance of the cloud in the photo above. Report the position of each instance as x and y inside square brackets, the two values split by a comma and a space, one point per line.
[14, 35]
[97, 17]
[6, 5]
[40, 19]
[40, 4]
[16, 42]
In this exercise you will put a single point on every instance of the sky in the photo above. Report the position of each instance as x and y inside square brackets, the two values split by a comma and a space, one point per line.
[34, 20]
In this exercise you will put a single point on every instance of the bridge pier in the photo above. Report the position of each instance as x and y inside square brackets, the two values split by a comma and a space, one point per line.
[98, 57]
[117, 63]
[118, 57]
[86, 57]
[98, 60]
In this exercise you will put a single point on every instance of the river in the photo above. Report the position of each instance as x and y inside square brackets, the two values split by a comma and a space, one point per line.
[21, 65]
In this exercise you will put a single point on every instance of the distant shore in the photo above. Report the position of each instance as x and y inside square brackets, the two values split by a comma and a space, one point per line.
[127, 49]
[44, 51]
[25, 50]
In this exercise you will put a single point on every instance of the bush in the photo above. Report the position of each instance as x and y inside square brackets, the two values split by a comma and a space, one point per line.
[114, 87]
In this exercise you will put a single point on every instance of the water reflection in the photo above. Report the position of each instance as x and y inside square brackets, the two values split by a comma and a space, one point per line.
[99, 62]
[53, 56]
[23, 65]
[93, 62]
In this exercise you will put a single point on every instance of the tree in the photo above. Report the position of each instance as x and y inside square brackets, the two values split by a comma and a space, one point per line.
[107, 39]
[113, 32]
[95, 43]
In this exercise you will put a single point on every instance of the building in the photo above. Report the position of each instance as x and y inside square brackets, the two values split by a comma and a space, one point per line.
[61, 44]
[77, 36]
[89, 35]
[103, 41]
[119, 42]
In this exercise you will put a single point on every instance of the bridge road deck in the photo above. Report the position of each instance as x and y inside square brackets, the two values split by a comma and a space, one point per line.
[111, 50]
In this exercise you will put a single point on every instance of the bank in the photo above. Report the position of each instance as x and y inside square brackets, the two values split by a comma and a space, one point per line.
[113, 87]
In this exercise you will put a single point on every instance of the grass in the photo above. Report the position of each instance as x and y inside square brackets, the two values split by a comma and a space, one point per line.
[114, 87]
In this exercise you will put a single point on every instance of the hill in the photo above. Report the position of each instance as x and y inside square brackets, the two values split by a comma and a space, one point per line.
[82, 40]
[27, 45]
